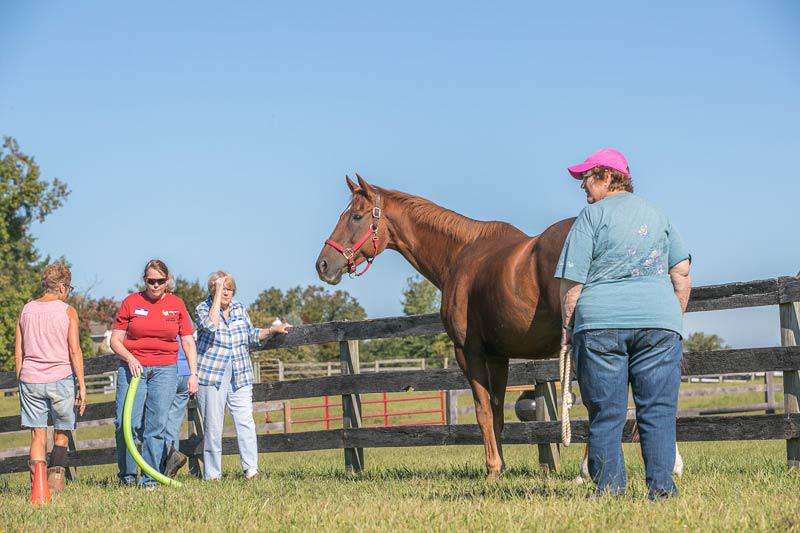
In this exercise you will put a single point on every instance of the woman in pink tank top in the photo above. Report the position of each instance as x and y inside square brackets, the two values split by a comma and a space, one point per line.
[48, 359]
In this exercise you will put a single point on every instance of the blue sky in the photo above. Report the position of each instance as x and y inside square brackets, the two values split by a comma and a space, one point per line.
[217, 136]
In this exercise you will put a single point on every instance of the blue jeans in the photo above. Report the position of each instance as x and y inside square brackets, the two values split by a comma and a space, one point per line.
[172, 435]
[57, 398]
[606, 360]
[149, 418]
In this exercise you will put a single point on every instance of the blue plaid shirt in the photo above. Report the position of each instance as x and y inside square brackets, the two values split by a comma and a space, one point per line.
[228, 343]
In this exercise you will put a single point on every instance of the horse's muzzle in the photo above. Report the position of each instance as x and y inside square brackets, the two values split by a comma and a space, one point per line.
[331, 274]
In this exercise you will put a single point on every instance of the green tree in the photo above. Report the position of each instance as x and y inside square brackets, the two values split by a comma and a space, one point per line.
[703, 342]
[312, 304]
[90, 310]
[25, 198]
[191, 292]
[419, 297]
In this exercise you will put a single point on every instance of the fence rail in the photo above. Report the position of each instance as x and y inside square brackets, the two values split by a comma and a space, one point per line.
[779, 291]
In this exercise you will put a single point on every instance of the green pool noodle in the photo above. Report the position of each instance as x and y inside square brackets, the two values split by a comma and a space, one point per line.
[127, 432]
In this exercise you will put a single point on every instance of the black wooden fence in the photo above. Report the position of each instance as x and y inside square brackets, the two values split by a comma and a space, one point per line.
[545, 432]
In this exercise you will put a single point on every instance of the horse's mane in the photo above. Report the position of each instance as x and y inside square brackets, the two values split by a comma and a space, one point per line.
[451, 223]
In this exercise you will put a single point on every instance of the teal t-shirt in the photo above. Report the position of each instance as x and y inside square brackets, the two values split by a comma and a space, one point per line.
[621, 249]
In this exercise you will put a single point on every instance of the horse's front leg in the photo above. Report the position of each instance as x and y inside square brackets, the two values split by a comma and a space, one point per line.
[478, 376]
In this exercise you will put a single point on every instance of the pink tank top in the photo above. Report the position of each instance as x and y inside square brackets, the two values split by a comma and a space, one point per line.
[45, 326]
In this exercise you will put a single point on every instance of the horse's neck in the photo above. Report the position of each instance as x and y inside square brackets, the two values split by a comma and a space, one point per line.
[431, 242]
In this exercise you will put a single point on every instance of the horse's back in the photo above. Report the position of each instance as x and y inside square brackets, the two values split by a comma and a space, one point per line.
[505, 285]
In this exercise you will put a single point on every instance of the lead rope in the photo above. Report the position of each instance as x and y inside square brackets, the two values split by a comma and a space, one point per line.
[565, 375]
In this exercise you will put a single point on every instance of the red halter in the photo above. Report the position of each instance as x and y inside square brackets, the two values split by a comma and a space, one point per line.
[350, 253]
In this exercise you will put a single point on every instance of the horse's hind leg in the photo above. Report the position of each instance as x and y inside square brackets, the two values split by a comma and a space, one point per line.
[498, 379]
[478, 376]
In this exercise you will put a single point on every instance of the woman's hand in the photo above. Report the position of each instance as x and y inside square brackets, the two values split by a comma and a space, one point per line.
[192, 384]
[219, 283]
[281, 328]
[80, 398]
[135, 367]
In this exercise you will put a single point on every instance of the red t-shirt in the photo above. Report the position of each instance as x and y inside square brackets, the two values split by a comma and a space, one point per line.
[152, 327]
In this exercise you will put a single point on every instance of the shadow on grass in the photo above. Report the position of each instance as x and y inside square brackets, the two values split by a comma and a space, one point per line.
[491, 491]
[400, 473]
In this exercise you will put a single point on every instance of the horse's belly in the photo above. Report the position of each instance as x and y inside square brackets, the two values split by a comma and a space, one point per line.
[536, 337]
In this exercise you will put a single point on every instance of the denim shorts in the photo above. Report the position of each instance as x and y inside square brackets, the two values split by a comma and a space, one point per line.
[36, 400]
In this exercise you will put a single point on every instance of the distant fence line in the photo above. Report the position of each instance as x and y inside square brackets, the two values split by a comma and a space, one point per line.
[545, 431]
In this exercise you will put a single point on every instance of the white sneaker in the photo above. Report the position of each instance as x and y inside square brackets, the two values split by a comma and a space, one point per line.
[251, 473]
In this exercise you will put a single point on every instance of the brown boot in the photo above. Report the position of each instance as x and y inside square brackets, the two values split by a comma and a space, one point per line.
[55, 478]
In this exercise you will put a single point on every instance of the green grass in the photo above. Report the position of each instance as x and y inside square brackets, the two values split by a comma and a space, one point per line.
[729, 485]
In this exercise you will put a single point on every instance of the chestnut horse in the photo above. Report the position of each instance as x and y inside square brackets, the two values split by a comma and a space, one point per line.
[499, 297]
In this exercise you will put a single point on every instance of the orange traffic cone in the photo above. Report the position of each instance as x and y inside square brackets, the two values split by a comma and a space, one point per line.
[40, 492]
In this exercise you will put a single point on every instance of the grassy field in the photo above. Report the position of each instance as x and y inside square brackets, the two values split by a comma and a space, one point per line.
[737, 485]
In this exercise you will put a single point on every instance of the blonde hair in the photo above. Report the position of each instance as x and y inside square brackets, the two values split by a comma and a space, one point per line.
[54, 275]
[220, 274]
[619, 181]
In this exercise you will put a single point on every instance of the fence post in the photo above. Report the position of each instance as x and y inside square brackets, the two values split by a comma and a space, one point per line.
[385, 399]
[326, 409]
[769, 392]
[71, 471]
[257, 371]
[549, 455]
[287, 417]
[195, 439]
[280, 370]
[351, 405]
[451, 407]
[790, 336]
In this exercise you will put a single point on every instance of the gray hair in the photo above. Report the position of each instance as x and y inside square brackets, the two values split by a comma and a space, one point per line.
[215, 276]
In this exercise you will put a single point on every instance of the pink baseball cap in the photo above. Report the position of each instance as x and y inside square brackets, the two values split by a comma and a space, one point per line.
[606, 157]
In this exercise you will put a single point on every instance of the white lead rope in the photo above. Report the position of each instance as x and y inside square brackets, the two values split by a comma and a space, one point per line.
[565, 375]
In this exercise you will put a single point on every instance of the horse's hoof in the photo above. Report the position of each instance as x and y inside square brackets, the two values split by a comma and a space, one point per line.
[494, 475]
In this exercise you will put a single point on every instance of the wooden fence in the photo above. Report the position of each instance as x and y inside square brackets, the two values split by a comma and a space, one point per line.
[545, 432]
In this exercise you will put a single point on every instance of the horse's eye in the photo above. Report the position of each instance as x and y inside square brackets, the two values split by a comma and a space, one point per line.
[356, 216]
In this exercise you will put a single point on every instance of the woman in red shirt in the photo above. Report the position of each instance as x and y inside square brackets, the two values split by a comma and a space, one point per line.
[145, 339]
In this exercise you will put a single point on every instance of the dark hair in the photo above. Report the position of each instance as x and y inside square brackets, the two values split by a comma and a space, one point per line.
[619, 181]
[156, 264]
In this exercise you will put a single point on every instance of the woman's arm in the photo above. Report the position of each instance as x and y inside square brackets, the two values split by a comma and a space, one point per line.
[216, 302]
[278, 328]
[117, 346]
[570, 292]
[18, 354]
[76, 357]
[190, 349]
[682, 282]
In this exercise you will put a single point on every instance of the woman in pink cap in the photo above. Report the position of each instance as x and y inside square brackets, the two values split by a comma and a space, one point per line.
[624, 286]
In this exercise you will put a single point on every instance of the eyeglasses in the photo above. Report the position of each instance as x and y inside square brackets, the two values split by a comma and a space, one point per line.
[155, 282]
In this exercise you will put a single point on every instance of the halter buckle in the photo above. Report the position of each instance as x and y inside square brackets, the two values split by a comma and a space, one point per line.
[348, 253]
[376, 212]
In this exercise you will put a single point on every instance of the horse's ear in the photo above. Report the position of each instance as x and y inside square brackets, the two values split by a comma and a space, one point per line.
[366, 188]
[352, 186]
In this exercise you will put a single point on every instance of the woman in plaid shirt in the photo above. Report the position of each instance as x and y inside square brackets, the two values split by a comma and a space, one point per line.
[225, 373]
